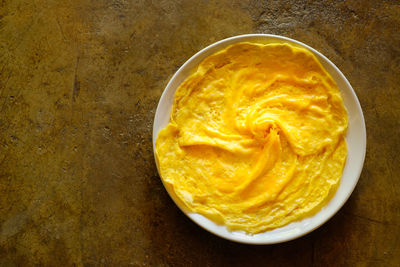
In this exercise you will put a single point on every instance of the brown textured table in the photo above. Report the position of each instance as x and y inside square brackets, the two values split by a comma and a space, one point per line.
[79, 85]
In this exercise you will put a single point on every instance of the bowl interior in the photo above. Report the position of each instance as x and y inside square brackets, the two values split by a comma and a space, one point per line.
[356, 144]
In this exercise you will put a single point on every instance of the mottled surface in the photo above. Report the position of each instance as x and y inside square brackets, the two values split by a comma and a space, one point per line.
[79, 85]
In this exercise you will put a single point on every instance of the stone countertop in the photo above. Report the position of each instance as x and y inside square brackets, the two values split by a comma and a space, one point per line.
[79, 85]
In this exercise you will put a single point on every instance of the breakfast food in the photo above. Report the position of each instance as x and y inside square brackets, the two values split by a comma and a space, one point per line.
[256, 138]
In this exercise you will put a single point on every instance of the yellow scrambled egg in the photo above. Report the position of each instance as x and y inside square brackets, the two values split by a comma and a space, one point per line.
[256, 138]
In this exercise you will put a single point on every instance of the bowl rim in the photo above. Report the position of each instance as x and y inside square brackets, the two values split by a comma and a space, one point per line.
[245, 238]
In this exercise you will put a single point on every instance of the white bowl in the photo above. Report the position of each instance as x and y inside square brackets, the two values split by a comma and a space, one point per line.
[356, 144]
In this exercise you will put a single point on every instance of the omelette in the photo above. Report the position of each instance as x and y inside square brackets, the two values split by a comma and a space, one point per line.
[256, 138]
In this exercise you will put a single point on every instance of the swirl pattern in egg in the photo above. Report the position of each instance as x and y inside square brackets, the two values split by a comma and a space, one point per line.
[256, 138]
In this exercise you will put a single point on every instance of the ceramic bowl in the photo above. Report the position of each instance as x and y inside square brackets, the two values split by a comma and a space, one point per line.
[356, 144]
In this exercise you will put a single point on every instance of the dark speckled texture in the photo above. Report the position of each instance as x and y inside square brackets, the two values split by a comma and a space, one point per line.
[79, 85]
